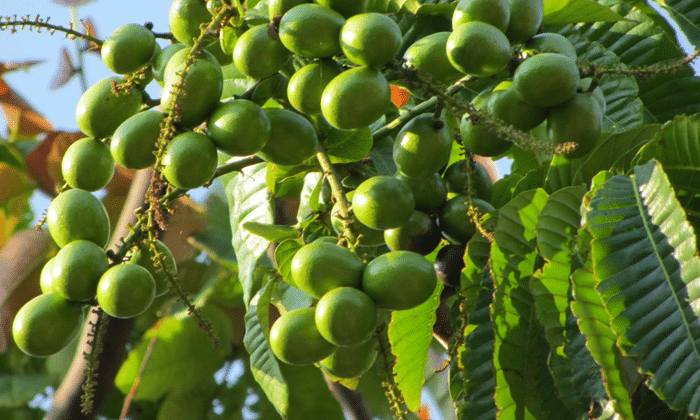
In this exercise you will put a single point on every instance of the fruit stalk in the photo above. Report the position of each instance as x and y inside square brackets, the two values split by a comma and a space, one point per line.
[338, 195]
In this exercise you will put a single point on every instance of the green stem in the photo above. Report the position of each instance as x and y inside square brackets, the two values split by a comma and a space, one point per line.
[13, 24]
[81, 60]
[337, 192]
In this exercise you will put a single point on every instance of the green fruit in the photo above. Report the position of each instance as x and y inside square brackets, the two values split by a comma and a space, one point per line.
[77, 214]
[125, 290]
[46, 324]
[449, 263]
[454, 221]
[77, 269]
[259, 56]
[239, 127]
[46, 277]
[217, 50]
[420, 234]
[321, 266]
[142, 255]
[366, 235]
[478, 49]
[162, 59]
[185, 18]
[399, 280]
[307, 84]
[100, 111]
[383, 202]
[422, 146]
[456, 180]
[578, 120]
[190, 160]
[346, 316]
[482, 140]
[546, 79]
[87, 164]
[311, 30]
[346, 8]
[507, 105]
[292, 138]
[128, 49]
[295, 339]
[356, 98]
[550, 42]
[280, 7]
[525, 20]
[179, 57]
[493, 12]
[584, 85]
[202, 89]
[370, 39]
[428, 55]
[133, 144]
[351, 362]
[428, 192]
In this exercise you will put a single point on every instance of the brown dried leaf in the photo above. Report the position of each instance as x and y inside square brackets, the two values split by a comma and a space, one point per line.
[90, 29]
[44, 162]
[66, 70]
[20, 117]
[18, 65]
[73, 2]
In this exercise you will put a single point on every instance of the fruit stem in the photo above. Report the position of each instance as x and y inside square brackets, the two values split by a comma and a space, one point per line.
[7, 22]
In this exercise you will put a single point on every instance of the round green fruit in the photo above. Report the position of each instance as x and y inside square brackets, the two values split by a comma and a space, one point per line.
[423, 146]
[128, 49]
[356, 98]
[185, 18]
[162, 59]
[346, 316]
[578, 120]
[351, 362]
[292, 138]
[370, 39]
[46, 324]
[306, 85]
[87, 164]
[202, 89]
[457, 181]
[482, 140]
[399, 280]
[507, 105]
[125, 291]
[280, 7]
[449, 263]
[100, 111]
[383, 202]
[346, 8]
[478, 49]
[547, 79]
[190, 160]
[428, 55]
[311, 30]
[366, 235]
[493, 12]
[584, 85]
[428, 192]
[259, 56]
[133, 144]
[46, 277]
[143, 256]
[525, 20]
[420, 234]
[454, 221]
[179, 57]
[550, 42]
[77, 269]
[239, 127]
[295, 339]
[77, 214]
[321, 266]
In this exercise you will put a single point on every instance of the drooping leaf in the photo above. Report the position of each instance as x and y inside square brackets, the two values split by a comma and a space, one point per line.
[344, 145]
[285, 181]
[7, 155]
[686, 13]
[216, 239]
[382, 156]
[576, 11]
[273, 233]
[309, 396]
[309, 198]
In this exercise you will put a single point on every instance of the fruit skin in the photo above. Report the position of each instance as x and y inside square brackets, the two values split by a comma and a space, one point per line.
[46, 277]
[306, 85]
[422, 146]
[141, 255]
[478, 49]
[202, 89]
[133, 144]
[429, 55]
[87, 164]
[449, 263]
[185, 17]
[355, 98]
[550, 42]
[455, 177]
[295, 339]
[399, 280]
[292, 138]
[366, 235]
[525, 20]
[370, 39]
[126, 290]
[346, 8]
[128, 49]
[546, 79]
[493, 12]
[100, 111]
[77, 270]
[239, 127]
[479, 139]
[507, 105]
[311, 30]
[321, 266]
[579, 120]
[46, 324]
[179, 58]
[454, 222]
[190, 160]
[77, 214]
[280, 7]
[351, 362]
[420, 234]
[162, 59]
[383, 202]
[429, 192]
[346, 316]
[259, 56]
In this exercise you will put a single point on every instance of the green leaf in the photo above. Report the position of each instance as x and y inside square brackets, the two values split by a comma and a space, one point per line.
[193, 404]
[645, 259]
[383, 158]
[576, 11]
[17, 390]
[249, 201]
[560, 173]
[285, 181]
[442, 9]
[410, 334]
[309, 396]
[686, 13]
[404, 6]
[309, 198]
[504, 189]
[8, 156]
[283, 256]
[344, 146]
[216, 239]
[272, 233]
[558, 224]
